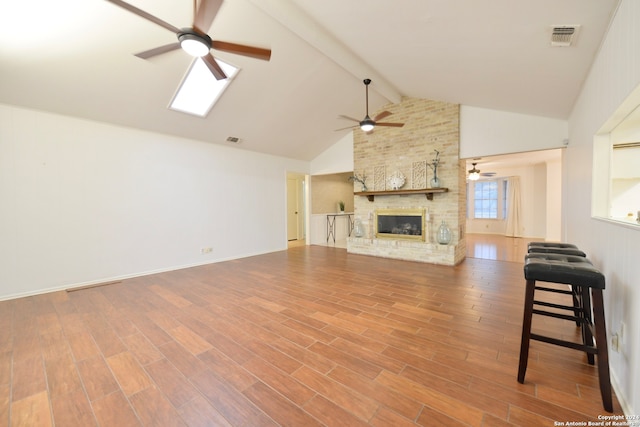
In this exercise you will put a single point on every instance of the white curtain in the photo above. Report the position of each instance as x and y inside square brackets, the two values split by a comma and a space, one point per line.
[514, 208]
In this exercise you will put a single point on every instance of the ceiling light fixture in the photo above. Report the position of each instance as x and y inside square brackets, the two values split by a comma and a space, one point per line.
[367, 124]
[194, 44]
[474, 174]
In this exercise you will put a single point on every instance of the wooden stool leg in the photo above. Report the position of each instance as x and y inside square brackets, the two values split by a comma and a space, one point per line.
[603, 352]
[576, 303]
[585, 304]
[526, 329]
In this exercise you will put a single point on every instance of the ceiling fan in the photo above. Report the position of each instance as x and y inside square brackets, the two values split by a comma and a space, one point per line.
[475, 174]
[367, 124]
[194, 40]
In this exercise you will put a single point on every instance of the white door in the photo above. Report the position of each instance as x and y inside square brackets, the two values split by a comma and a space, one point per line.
[293, 211]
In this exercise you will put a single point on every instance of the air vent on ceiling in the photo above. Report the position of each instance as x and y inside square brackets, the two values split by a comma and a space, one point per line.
[233, 139]
[564, 35]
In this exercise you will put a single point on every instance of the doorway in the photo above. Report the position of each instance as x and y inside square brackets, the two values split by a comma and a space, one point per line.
[540, 175]
[296, 202]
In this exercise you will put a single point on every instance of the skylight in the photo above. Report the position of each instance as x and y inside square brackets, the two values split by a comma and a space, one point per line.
[199, 89]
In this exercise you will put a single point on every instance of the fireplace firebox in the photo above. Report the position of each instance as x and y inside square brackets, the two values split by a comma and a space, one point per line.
[408, 224]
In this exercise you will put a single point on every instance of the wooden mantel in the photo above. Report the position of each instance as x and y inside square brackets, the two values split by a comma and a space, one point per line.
[426, 191]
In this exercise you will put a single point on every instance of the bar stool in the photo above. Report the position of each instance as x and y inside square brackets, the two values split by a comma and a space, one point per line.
[587, 284]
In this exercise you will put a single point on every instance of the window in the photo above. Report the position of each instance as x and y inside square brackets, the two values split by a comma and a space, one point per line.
[200, 90]
[487, 199]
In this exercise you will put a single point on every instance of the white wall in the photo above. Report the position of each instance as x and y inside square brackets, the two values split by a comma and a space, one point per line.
[554, 201]
[337, 158]
[485, 132]
[537, 201]
[84, 202]
[613, 247]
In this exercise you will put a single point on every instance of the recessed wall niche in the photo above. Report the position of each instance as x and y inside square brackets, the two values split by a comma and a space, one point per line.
[616, 155]
[327, 190]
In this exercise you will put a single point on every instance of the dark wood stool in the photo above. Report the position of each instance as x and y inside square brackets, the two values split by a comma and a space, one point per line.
[587, 283]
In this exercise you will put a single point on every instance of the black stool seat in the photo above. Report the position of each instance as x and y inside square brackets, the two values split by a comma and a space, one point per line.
[556, 257]
[551, 245]
[586, 284]
[556, 250]
[571, 270]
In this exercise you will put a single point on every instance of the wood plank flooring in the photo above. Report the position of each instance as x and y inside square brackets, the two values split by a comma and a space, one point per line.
[497, 247]
[310, 336]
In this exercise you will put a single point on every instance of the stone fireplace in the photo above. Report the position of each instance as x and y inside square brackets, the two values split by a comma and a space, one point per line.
[392, 155]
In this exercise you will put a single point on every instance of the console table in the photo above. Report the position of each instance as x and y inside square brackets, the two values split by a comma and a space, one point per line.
[331, 224]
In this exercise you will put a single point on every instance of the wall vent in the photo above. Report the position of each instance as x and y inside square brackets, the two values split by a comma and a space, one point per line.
[564, 35]
[234, 139]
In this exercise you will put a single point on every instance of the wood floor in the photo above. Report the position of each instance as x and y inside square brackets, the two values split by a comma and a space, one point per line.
[304, 337]
[496, 247]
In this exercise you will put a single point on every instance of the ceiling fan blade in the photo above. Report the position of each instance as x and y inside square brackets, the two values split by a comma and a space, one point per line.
[394, 125]
[348, 127]
[214, 67]
[145, 15]
[348, 118]
[240, 49]
[382, 116]
[205, 15]
[158, 50]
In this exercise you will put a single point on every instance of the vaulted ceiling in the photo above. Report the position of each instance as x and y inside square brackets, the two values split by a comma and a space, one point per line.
[75, 57]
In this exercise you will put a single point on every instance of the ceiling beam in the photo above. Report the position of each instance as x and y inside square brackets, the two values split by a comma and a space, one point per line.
[305, 27]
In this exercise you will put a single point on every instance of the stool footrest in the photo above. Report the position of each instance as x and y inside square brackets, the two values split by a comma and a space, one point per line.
[558, 291]
[560, 316]
[558, 306]
[564, 343]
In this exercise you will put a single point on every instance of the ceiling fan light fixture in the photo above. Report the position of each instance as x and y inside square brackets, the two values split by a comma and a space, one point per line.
[367, 124]
[474, 174]
[194, 44]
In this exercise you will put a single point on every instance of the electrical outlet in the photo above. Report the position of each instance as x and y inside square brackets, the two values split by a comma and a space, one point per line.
[206, 250]
[615, 343]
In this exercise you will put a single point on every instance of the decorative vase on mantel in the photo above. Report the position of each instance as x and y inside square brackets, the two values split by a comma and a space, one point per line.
[433, 164]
